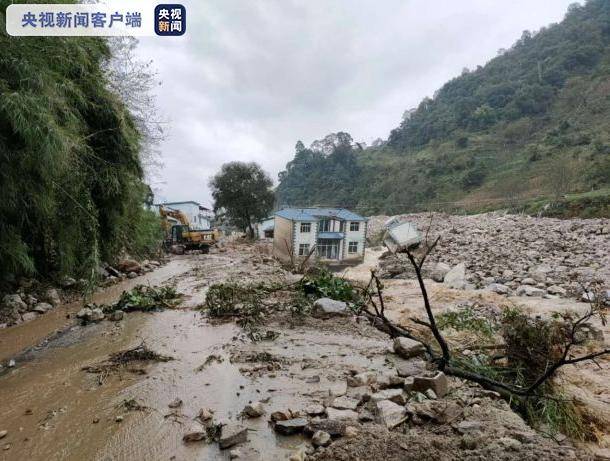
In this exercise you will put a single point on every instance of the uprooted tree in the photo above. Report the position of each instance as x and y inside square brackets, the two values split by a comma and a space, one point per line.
[534, 350]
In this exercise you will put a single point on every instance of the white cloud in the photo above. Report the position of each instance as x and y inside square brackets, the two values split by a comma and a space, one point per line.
[250, 78]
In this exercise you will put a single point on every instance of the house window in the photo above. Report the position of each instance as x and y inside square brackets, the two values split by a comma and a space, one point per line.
[352, 247]
[303, 249]
[305, 227]
[354, 226]
[324, 225]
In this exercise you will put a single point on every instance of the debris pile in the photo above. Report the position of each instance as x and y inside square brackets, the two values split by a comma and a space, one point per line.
[509, 254]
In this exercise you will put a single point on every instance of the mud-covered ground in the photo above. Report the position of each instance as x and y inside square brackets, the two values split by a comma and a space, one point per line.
[53, 410]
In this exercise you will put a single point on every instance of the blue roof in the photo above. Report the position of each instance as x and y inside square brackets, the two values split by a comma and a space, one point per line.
[313, 214]
[330, 235]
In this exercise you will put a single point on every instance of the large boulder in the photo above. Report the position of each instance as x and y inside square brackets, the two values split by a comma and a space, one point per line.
[326, 307]
[129, 265]
[41, 308]
[456, 277]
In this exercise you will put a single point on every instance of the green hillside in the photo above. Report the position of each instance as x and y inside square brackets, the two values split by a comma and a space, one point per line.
[533, 122]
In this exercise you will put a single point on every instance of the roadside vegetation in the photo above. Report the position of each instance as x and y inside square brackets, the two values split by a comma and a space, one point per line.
[72, 176]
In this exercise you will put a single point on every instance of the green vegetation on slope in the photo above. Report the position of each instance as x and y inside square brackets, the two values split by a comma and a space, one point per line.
[70, 175]
[534, 121]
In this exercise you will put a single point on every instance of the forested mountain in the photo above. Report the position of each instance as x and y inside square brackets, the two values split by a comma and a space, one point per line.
[534, 121]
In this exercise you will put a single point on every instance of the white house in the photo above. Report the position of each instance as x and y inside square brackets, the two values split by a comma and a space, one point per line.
[200, 217]
[333, 235]
[264, 228]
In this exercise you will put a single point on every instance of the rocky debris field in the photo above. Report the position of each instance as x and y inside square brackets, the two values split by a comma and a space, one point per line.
[510, 254]
[324, 385]
[32, 298]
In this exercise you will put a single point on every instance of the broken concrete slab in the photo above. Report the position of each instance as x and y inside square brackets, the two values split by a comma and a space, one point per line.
[438, 383]
[401, 236]
[335, 427]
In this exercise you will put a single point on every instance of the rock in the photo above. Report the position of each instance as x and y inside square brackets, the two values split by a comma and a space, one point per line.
[430, 394]
[334, 414]
[337, 388]
[129, 265]
[362, 379]
[67, 282]
[116, 316]
[526, 290]
[3, 434]
[52, 296]
[469, 427]
[197, 436]
[41, 308]
[393, 395]
[132, 275]
[119, 418]
[408, 348]
[345, 403]
[11, 363]
[387, 380]
[28, 316]
[315, 410]
[389, 413]
[97, 315]
[351, 431]
[321, 439]
[14, 302]
[528, 281]
[30, 300]
[556, 290]
[439, 384]
[540, 273]
[205, 415]
[456, 277]
[499, 288]
[234, 454]
[298, 455]
[587, 297]
[84, 313]
[410, 368]
[326, 307]
[232, 435]
[176, 403]
[282, 415]
[439, 272]
[290, 426]
[335, 427]
[254, 410]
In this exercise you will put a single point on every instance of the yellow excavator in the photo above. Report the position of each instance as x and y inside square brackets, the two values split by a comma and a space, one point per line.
[180, 237]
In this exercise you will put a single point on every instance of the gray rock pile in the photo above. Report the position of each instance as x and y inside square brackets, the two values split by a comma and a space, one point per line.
[510, 254]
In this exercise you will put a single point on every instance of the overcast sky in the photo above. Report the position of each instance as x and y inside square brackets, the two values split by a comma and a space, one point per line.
[250, 78]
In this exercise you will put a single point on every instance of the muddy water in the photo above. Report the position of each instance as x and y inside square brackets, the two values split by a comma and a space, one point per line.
[15, 339]
[54, 410]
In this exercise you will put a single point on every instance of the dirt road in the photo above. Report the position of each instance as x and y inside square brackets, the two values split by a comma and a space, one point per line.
[53, 410]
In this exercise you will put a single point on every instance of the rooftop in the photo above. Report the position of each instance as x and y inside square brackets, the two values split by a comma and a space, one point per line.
[313, 214]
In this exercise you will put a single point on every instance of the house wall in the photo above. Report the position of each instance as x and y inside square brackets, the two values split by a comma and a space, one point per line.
[358, 236]
[282, 233]
[309, 238]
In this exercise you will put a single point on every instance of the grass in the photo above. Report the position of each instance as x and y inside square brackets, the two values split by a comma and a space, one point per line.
[466, 319]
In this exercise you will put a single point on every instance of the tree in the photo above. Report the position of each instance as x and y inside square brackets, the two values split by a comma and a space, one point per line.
[243, 190]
